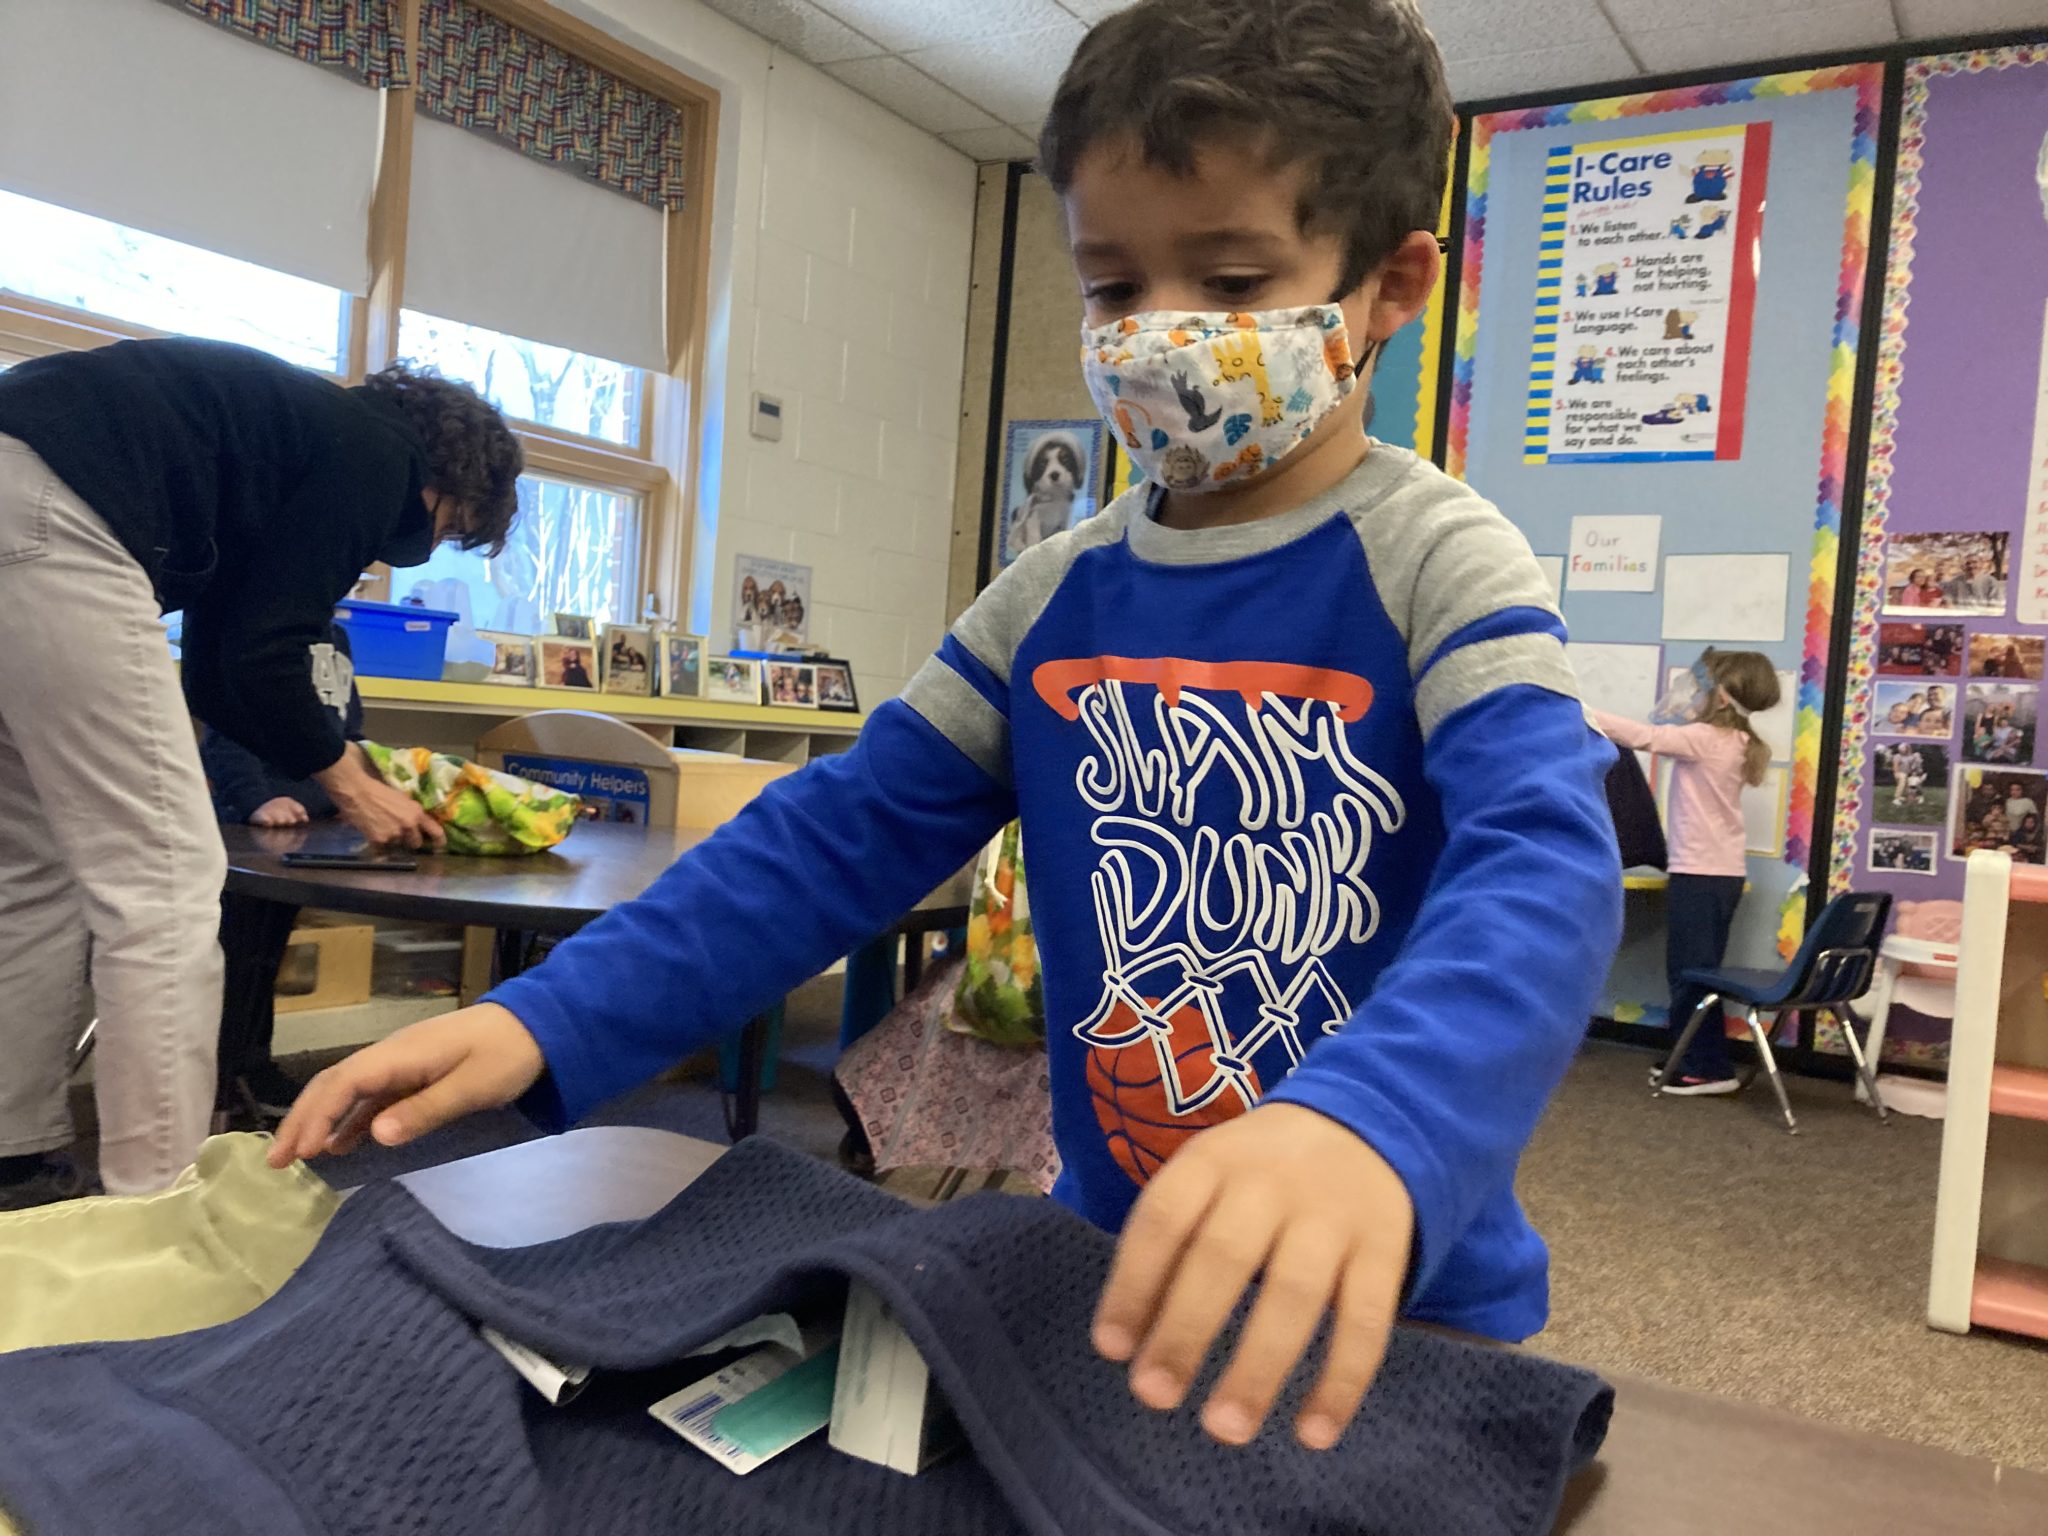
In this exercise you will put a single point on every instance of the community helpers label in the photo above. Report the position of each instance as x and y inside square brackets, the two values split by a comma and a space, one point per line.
[1646, 288]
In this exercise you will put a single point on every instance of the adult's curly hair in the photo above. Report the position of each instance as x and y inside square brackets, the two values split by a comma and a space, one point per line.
[472, 456]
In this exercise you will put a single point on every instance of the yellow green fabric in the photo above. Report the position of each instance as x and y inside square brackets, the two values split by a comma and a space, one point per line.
[214, 1245]
[482, 810]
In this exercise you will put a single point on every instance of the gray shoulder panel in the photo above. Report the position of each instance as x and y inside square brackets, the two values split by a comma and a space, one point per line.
[995, 626]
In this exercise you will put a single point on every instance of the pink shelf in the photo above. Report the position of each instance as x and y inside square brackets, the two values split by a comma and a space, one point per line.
[2030, 882]
[2021, 1092]
[2009, 1296]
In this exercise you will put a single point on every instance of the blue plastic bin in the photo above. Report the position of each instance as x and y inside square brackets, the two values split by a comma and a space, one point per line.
[395, 639]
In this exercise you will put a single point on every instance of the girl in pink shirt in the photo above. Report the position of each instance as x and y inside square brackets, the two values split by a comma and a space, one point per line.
[1714, 754]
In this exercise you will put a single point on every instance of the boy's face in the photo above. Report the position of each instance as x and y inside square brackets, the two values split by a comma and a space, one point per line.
[1226, 237]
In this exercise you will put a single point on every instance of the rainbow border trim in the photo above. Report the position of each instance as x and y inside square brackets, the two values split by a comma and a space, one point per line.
[1867, 81]
[1884, 423]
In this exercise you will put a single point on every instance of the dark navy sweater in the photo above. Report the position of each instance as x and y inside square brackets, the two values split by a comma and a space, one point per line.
[360, 1399]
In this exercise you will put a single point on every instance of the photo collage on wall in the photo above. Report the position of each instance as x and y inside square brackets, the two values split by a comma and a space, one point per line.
[1954, 720]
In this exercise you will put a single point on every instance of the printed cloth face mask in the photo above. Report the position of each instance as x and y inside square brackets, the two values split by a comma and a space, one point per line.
[1208, 400]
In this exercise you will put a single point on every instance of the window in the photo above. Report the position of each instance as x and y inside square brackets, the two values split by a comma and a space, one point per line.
[549, 386]
[103, 268]
[574, 548]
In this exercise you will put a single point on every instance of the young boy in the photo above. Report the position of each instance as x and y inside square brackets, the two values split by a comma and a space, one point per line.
[1322, 870]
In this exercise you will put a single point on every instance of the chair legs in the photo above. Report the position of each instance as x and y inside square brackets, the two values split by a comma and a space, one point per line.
[1684, 1040]
[1864, 1075]
[1762, 1037]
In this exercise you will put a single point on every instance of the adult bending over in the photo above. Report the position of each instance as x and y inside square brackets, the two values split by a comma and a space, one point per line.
[137, 479]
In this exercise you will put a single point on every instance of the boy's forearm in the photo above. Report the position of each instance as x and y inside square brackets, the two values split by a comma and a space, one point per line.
[1447, 1067]
[813, 868]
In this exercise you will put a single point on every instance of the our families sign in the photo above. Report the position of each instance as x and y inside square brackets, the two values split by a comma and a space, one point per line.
[1646, 290]
[1614, 554]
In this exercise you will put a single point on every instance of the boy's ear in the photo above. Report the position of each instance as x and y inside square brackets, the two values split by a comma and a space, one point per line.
[1401, 286]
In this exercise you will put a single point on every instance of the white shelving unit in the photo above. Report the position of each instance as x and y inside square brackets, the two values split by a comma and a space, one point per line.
[1990, 1264]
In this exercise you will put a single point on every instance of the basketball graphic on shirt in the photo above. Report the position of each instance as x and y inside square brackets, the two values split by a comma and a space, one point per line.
[1128, 1086]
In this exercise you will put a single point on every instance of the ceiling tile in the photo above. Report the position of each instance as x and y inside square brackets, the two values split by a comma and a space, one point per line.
[1820, 29]
[911, 95]
[800, 27]
[1655, 15]
[1539, 69]
[1477, 29]
[1953, 18]
[1000, 143]
[1013, 76]
[907, 25]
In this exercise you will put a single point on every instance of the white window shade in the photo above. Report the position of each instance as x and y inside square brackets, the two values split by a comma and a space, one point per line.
[495, 238]
[134, 112]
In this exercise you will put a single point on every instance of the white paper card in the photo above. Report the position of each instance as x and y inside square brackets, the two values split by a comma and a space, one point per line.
[1613, 554]
[1553, 573]
[884, 1406]
[2030, 569]
[1620, 679]
[1776, 726]
[551, 1379]
[1726, 597]
[1763, 814]
[691, 1411]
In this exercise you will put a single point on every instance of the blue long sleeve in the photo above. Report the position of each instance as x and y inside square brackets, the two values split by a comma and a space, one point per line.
[818, 864]
[1446, 1067]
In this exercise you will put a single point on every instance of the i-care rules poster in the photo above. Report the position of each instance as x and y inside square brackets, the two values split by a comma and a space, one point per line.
[1645, 293]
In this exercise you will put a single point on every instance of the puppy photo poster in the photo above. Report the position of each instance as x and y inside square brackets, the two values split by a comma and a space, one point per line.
[771, 602]
[1051, 472]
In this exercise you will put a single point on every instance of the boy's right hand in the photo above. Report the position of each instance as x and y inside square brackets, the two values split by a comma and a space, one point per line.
[415, 1081]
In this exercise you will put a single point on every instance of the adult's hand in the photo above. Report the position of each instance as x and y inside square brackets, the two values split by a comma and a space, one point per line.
[412, 1082]
[385, 817]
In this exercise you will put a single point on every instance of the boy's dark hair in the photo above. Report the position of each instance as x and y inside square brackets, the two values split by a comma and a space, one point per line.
[472, 456]
[1356, 87]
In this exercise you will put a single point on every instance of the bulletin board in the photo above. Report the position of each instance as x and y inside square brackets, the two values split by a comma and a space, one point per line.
[1958, 466]
[1672, 526]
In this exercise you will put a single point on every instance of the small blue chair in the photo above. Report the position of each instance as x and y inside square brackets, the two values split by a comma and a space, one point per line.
[1833, 968]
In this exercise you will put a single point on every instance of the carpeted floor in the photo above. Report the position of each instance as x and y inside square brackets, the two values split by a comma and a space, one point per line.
[1693, 1241]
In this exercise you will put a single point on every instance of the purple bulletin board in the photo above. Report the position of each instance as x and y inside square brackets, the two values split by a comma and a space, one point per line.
[1949, 565]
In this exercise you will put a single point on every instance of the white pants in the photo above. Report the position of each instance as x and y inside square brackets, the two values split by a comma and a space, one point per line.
[108, 847]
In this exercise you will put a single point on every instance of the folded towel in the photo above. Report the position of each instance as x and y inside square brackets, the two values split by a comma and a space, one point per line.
[361, 1399]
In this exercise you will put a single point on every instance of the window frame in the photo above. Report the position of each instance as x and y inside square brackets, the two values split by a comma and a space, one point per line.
[661, 466]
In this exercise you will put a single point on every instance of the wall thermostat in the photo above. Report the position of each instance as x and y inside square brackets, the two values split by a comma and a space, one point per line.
[768, 418]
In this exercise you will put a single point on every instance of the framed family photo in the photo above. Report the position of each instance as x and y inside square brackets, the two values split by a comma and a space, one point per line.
[573, 626]
[629, 659]
[511, 659]
[733, 679]
[682, 664]
[835, 687]
[792, 684]
[567, 662]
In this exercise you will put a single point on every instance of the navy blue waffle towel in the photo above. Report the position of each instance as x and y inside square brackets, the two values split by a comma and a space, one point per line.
[360, 1398]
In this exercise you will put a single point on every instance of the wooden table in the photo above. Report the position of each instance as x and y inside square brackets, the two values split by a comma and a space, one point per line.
[1675, 1463]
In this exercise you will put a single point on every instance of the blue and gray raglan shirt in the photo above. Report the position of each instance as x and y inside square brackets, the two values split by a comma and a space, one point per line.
[1312, 814]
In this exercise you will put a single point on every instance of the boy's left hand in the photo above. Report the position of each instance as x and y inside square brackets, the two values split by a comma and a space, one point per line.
[1289, 1196]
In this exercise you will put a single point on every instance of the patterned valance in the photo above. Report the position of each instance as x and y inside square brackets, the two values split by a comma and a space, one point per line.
[360, 38]
[478, 71]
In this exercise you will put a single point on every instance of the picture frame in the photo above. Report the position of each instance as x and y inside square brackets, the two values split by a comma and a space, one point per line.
[567, 661]
[512, 663]
[629, 660]
[837, 693]
[1052, 478]
[2002, 808]
[572, 626]
[1904, 851]
[732, 679]
[681, 658]
[791, 684]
